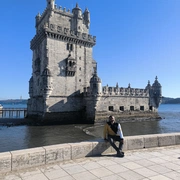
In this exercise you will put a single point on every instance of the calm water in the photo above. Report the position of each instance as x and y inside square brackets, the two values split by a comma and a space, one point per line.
[22, 137]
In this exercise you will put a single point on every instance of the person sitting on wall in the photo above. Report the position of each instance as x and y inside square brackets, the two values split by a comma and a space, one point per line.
[112, 133]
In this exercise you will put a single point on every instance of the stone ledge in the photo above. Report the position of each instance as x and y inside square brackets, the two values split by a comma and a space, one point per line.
[22, 159]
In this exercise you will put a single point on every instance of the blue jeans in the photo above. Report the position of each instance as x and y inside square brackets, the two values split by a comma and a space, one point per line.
[112, 140]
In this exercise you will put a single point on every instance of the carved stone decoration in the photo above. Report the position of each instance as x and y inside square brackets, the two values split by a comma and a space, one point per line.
[52, 27]
[66, 30]
[72, 33]
[59, 29]
[78, 34]
[84, 35]
[89, 37]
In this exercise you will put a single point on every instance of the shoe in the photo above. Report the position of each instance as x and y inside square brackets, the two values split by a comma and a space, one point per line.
[120, 154]
[121, 151]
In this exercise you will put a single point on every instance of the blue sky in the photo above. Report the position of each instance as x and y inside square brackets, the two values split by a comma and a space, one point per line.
[136, 41]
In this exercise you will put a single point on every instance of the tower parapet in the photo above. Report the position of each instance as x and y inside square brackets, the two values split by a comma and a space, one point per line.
[115, 91]
[122, 91]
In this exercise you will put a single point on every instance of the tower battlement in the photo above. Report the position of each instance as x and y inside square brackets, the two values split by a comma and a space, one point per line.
[74, 15]
[57, 9]
[65, 34]
[120, 91]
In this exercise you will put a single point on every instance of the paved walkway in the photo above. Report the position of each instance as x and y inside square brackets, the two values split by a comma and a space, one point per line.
[147, 164]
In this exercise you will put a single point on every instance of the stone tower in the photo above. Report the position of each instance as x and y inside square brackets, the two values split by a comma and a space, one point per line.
[65, 87]
[62, 64]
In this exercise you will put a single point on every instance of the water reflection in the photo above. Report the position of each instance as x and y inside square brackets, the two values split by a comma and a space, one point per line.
[49, 135]
[22, 137]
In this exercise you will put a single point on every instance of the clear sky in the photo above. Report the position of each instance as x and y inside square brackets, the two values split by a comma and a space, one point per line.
[137, 40]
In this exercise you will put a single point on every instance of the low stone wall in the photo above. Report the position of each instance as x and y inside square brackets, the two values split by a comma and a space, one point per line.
[128, 116]
[22, 159]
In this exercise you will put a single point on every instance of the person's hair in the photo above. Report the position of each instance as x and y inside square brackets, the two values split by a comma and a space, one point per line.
[111, 117]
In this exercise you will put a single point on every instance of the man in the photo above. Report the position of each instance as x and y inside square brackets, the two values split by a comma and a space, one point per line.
[112, 133]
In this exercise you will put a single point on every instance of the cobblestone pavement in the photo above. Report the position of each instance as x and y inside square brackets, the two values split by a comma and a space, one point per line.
[146, 164]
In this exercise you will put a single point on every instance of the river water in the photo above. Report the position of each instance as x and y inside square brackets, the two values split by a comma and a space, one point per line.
[22, 137]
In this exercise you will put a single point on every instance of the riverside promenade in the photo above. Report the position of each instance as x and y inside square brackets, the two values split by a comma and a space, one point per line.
[162, 163]
[153, 163]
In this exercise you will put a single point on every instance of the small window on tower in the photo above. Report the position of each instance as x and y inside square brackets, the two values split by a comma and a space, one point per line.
[69, 47]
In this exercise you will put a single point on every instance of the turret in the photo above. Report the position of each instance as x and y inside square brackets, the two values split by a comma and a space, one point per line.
[38, 17]
[156, 92]
[86, 16]
[129, 86]
[148, 87]
[95, 84]
[156, 87]
[77, 11]
[50, 4]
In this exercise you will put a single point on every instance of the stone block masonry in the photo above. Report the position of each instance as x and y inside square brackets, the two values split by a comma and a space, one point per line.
[24, 159]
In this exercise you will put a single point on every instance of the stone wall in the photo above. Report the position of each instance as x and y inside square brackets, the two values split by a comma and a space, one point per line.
[127, 116]
[22, 159]
[126, 102]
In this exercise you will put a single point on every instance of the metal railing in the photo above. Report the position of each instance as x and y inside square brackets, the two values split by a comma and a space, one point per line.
[13, 113]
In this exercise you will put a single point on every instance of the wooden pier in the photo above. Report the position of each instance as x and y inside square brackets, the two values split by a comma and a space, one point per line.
[16, 113]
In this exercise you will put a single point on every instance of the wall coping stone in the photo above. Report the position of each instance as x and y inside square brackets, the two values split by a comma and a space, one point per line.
[33, 157]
